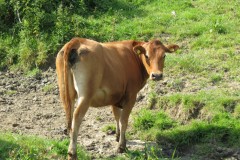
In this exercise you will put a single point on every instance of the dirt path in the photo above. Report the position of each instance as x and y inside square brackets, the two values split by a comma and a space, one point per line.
[31, 106]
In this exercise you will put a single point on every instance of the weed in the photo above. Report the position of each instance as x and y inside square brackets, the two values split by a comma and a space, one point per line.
[109, 128]
[98, 118]
[48, 88]
[237, 111]
[144, 120]
[147, 119]
[216, 78]
[10, 92]
[36, 72]
[177, 84]
[152, 99]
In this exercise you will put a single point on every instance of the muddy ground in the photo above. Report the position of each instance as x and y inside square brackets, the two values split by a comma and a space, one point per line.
[31, 106]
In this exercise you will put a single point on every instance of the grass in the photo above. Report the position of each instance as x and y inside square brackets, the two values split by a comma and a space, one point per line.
[48, 88]
[200, 104]
[36, 72]
[210, 101]
[15, 146]
[207, 118]
[146, 119]
[203, 24]
[109, 128]
[222, 130]
[10, 92]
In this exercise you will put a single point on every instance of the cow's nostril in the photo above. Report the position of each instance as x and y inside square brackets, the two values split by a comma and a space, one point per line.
[156, 76]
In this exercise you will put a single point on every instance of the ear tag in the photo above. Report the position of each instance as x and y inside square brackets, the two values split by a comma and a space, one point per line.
[138, 51]
[172, 49]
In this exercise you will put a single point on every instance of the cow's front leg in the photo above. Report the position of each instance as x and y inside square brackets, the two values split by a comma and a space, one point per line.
[123, 125]
[117, 113]
[79, 113]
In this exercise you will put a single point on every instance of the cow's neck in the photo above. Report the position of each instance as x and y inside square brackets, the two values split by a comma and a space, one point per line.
[142, 69]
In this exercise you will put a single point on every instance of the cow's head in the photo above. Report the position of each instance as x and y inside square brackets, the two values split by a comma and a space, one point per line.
[152, 54]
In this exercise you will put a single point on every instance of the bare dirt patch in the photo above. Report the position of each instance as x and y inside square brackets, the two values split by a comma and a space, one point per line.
[31, 106]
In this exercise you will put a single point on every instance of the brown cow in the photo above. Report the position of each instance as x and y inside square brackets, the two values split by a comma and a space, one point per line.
[100, 74]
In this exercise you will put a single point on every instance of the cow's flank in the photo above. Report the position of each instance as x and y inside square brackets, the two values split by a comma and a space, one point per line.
[100, 74]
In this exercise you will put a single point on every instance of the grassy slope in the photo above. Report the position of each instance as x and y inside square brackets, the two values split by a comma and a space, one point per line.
[204, 74]
[203, 89]
[15, 146]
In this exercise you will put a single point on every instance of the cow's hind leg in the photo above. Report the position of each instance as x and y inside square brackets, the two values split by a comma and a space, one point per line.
[79, 113]
[117, 113]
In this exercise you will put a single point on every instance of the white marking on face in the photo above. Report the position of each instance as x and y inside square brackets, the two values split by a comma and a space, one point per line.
[147, 54]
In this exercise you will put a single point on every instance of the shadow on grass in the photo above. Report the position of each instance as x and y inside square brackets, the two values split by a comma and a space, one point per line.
[201, 140]
[7, 149]
[125, 8]
[219, 139]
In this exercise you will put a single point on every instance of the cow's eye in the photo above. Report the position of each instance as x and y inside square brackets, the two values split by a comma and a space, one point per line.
[146, 56]
[84, 51]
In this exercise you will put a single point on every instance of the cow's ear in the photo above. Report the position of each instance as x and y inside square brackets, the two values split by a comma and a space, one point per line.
[139, 50]
[171, 48]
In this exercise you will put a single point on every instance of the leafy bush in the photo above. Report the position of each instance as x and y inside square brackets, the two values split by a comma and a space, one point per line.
[40, 28]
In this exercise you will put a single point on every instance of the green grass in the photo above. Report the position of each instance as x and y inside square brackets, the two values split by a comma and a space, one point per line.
[207, 118]
[15, 146]
[48, 88]
[203, 24]
[200, 104]
[211, 102]
[10, 92]
[222, 130]
[36, 72]
[147, 123]
[109, 128]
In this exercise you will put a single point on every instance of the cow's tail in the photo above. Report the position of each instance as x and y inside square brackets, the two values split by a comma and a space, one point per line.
[73, 44]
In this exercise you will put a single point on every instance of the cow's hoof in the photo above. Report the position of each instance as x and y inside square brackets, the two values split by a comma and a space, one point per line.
[121, 150]
[72, 156]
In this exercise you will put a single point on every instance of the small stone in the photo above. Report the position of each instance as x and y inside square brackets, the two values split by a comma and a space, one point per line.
[29, 127]
[15, 125]
[111, 132]
[35, 98]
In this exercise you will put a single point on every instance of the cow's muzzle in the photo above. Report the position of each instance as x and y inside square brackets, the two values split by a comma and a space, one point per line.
[156, 76]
